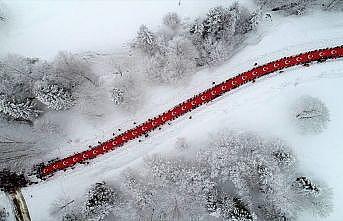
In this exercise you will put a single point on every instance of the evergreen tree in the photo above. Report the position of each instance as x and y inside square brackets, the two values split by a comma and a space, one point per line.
[53, 95]
[313, 195]
[117, 96]
[25, 110]
[214, 200]
[246, 21]
[305, 185]
[219, 23]
[285, 159]
[239, 212]
[101, 198]
[220, 31]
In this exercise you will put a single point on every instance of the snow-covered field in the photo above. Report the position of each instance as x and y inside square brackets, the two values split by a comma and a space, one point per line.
[262, 107]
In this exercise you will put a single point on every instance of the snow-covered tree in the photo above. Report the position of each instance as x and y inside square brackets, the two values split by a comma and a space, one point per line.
[118, 96]
[3, 214]
[236, 209]
[311, 115]
[172, 20]
[288, 7]
[178, 61]
[70, 71]
[53, 96]
[141, 193]
[25, 110]
[182, 56]
[146, 41]
[313, 195]
[260, 173]
[101, 199]
[216, 35]
[169, 191]
[215, 51]
[220, 23]
[3, 16]
[246, 21]
[17, 75]
[238, 176]
[128, 93]
[65, 208]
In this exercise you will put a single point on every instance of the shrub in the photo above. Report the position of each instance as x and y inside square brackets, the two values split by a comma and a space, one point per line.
[220, 31]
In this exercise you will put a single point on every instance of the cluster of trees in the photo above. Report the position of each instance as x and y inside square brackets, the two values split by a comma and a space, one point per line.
[29, 89]
[175, 51]
[310, 115]
[238, 176]
[220, 31]
[298, 7]
[178, 48]
[28, 86]
[169, 53]
[101, 201]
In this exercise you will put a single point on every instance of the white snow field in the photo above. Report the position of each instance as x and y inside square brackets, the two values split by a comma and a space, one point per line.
[263, 107]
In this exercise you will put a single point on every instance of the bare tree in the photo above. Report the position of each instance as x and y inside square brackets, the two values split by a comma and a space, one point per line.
[310, 115]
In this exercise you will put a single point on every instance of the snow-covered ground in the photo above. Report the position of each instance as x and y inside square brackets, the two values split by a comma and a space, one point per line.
[78, 25]
[262, 107]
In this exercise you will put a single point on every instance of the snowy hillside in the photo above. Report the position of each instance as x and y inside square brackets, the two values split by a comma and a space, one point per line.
[262, 107]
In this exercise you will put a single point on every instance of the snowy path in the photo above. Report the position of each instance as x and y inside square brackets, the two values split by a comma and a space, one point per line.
[192, 103]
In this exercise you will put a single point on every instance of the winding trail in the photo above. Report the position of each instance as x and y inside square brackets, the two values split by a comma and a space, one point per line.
[190, 104]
